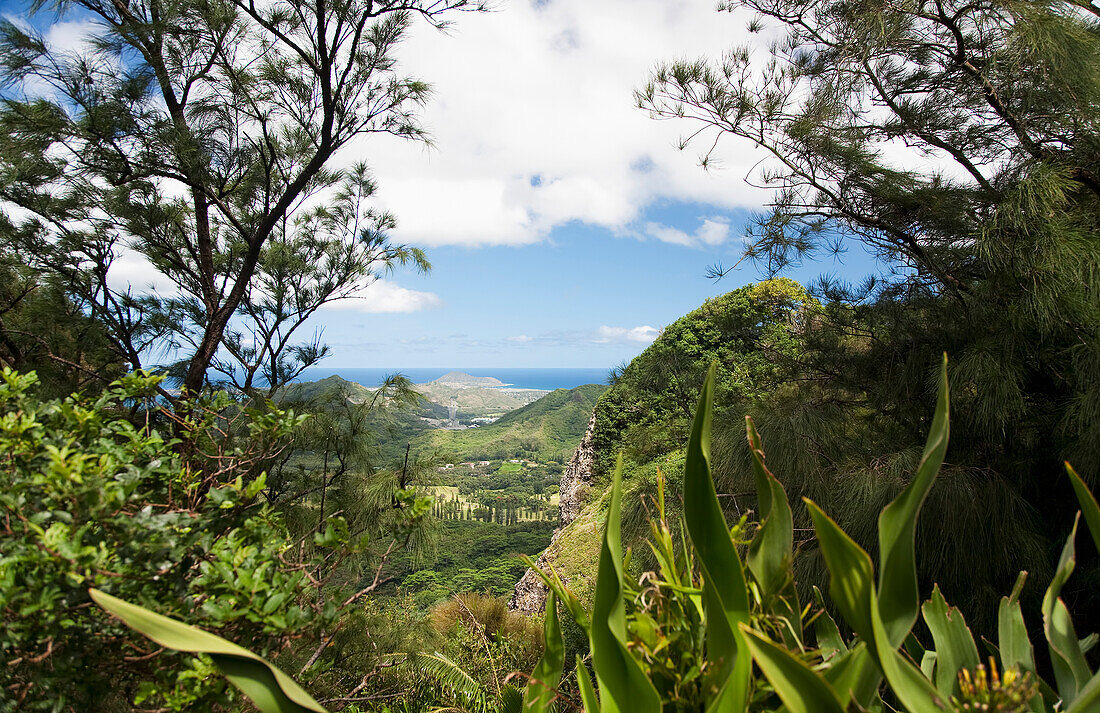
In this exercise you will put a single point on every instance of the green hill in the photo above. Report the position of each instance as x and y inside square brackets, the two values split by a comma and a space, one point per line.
[545, 430]
[754, 335]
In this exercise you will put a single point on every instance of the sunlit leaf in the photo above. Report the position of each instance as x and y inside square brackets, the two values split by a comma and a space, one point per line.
[623, 684]
[588, 693]
[1089, 506]
[1071, 671]
[801, 689]
[771, 551]
[542, 687]
[271, 690]
[850, 572]
[725, 593]
[955, 647]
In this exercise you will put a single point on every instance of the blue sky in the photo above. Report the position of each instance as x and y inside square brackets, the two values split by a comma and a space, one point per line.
[565, 226]
[580, 298]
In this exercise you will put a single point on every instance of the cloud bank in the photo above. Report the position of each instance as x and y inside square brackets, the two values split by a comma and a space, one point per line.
[534, 125]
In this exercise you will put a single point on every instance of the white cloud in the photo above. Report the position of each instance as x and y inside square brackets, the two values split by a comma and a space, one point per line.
[71, 36]
[711, 232]
[131, 270]
[534, 123]
[522, 338]
[642, 335]
[383, 296]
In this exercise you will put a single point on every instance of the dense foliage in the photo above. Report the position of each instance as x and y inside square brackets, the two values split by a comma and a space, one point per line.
[956, 141]
[92, 496]
[718, 625]
[755, 333]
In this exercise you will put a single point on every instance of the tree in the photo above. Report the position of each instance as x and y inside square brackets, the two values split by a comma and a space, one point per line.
[202, 135]
[958, 142]
[42, 330]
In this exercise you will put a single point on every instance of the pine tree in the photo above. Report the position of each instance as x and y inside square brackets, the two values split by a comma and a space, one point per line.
[960, 144]
[201, 134]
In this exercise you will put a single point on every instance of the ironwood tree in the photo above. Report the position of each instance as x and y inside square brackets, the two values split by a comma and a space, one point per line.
[959, 143]
[206, 136]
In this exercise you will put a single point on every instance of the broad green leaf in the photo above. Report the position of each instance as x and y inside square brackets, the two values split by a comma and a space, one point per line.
[1088, 698]
[955, 648]
[725, 593]
[855, 676]
[1012, 640]
[584, 683]
[916, 692]
[850, 572]
[624, 686]
[542, 687]
[801, 689]
[928, 664]
[1089, 506]
[271, 690]
[899, 597]
[771, 551]
[1071, 671]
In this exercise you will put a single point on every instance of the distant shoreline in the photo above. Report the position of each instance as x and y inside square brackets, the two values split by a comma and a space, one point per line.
[514, 378]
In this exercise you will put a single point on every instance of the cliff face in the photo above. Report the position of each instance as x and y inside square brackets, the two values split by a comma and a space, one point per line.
[530, 592]
[577, 476]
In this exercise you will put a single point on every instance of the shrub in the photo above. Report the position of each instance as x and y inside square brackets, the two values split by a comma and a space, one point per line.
[92, 496]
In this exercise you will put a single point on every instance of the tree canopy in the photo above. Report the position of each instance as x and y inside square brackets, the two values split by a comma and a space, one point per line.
[202, 137]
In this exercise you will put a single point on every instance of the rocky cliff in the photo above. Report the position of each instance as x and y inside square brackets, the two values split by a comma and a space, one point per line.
[530, 592]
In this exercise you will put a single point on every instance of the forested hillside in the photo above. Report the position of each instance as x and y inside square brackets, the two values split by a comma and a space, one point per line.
[545, 430]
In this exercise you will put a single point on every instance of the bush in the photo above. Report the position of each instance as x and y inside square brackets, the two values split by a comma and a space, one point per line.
[93, 496]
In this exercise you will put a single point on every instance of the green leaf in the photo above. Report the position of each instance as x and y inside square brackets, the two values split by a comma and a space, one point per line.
[623, 684]
[271, 690]
[1089, 506]
[850, 572]
[801, 689]
[541, 689]
[899, 597]
[1012, 639]
[828, 635]
[955, 647]
[1088, 698]
[916, 692]
[565, 594]
[771, 551]
[584, 683]
[1071, 671]
[725, 593]
[854, 675]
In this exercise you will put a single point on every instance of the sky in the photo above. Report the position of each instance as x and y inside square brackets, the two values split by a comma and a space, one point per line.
[564, 225]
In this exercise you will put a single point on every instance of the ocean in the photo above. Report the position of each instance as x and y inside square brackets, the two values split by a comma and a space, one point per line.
[546, 378]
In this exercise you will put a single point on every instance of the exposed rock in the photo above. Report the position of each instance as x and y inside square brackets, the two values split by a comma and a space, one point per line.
[530, 592]
[577, 476]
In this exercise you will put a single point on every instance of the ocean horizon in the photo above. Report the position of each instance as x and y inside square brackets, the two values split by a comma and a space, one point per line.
[546, 378]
